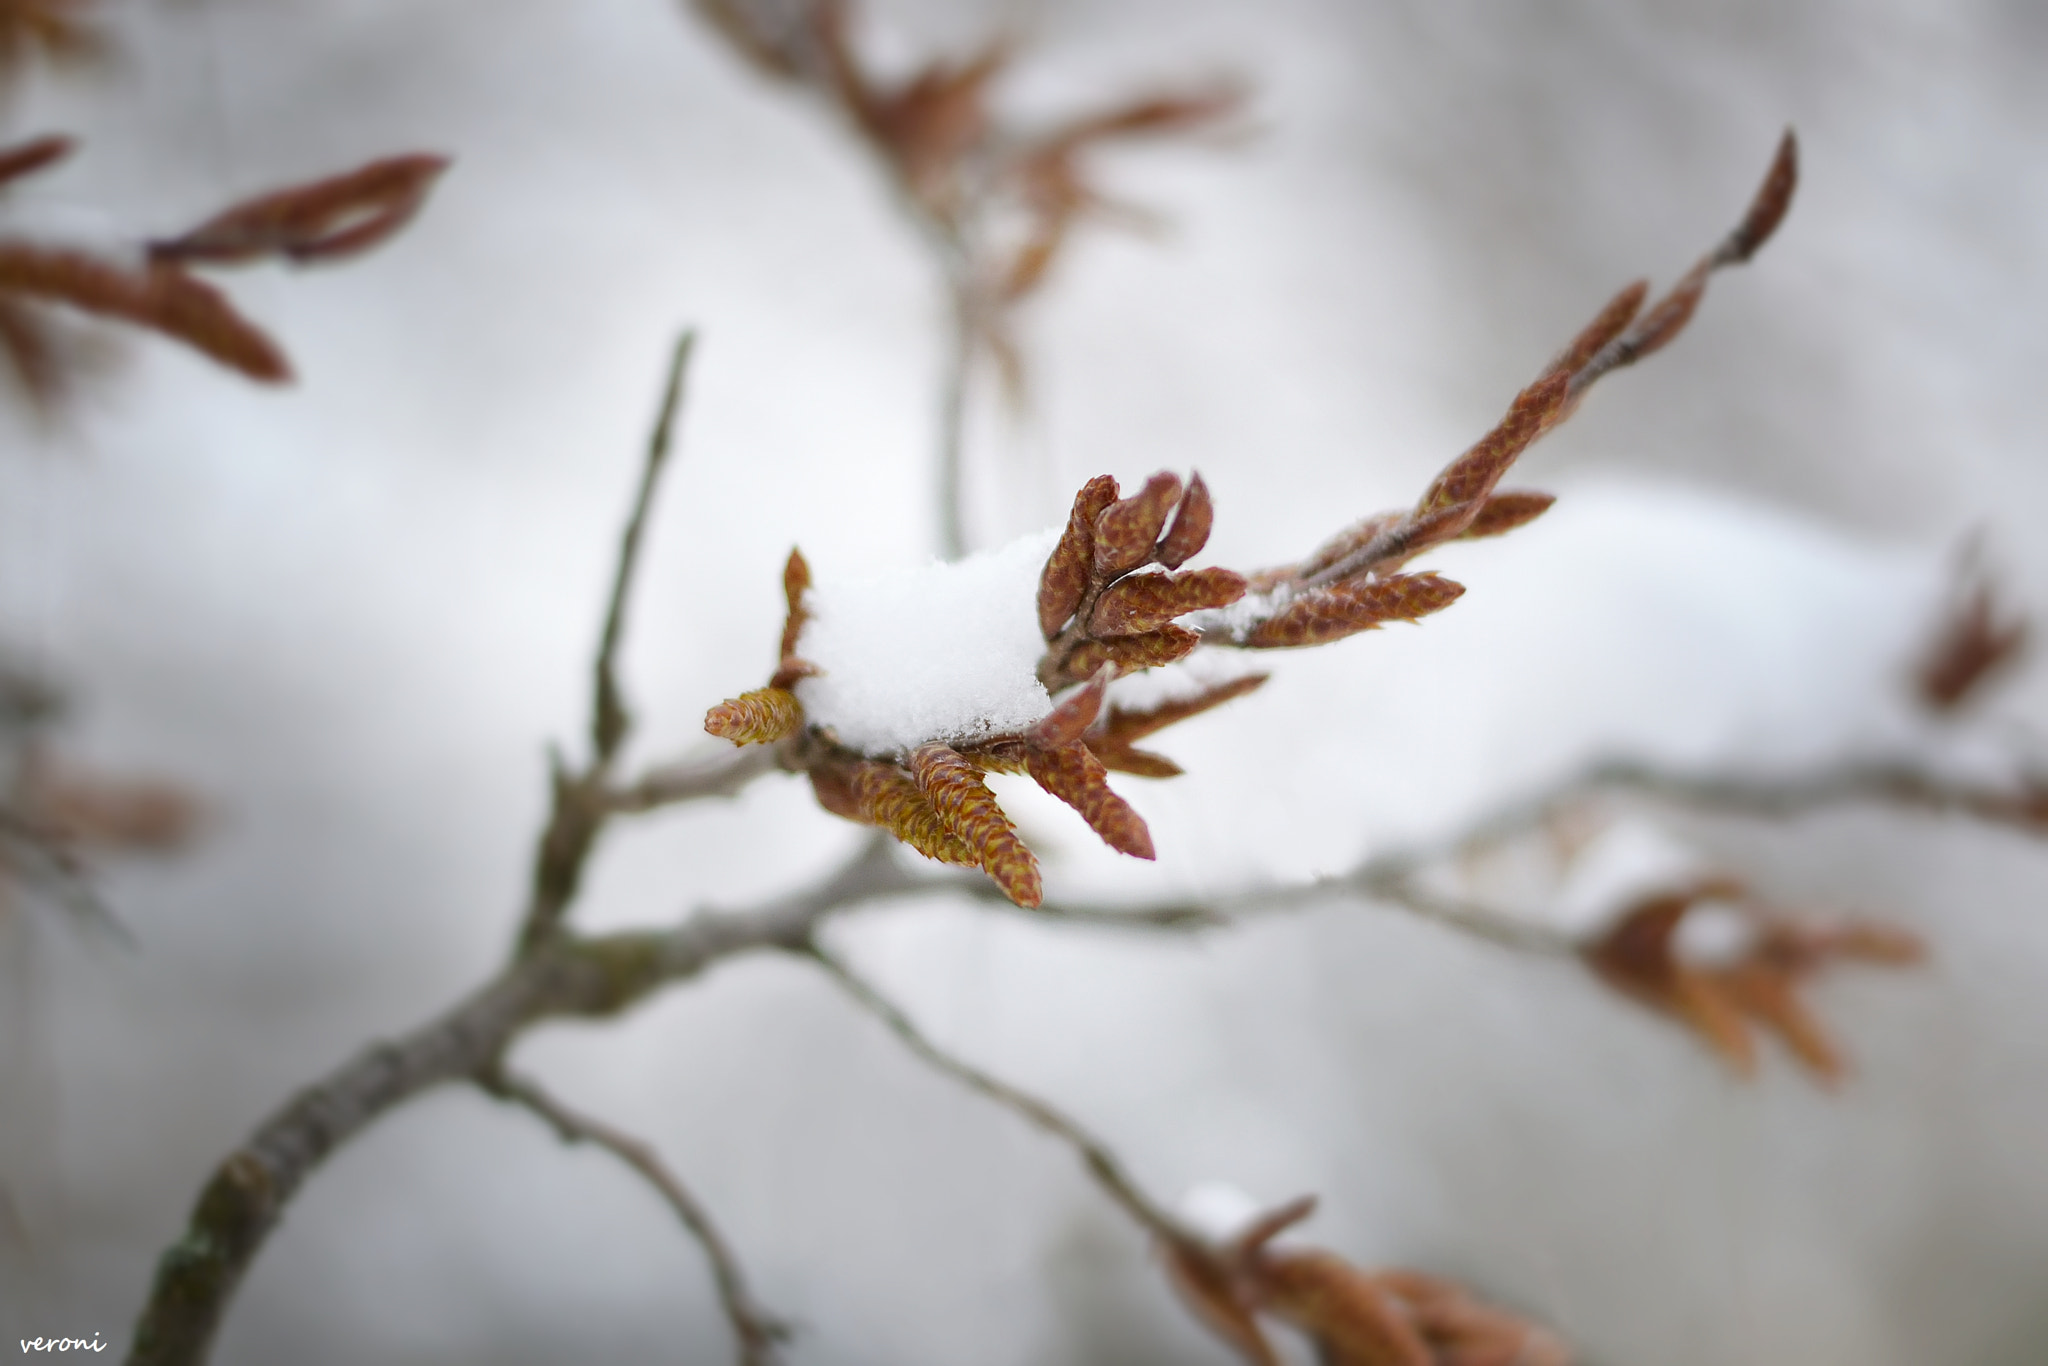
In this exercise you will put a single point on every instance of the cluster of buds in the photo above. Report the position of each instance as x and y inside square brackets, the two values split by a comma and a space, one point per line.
[1113, 599]
[1712, 956]
[1354, 1317]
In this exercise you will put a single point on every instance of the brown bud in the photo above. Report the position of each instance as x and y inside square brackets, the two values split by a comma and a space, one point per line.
[1190, 526]
[1067, 569]
[1127, 529]
[1472, 475]
[756, 718]
[1078, 778]
[888, 797]
[1503, 512]
[956, 791]
[1074, 714]
[1132, 653]
[1145, 602]
[1322, 615]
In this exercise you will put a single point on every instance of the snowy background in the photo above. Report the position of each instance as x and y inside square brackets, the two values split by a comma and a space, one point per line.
[352, 614]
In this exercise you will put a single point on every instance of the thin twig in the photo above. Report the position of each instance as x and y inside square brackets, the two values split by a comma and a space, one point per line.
[577, 809]
[609, 719]
[1100, 1162]
[564, 977]
[757, 1330]
[723, 774]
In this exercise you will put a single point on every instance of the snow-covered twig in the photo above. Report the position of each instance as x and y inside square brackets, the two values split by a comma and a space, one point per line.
[757, 1331]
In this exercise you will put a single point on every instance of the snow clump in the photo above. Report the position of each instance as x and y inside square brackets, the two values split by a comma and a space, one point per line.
[945, 652]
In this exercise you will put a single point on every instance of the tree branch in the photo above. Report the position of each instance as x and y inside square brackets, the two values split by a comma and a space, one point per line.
[722, 774]
[564, 977]
[609, 718]
[577, 809]
[1096, 1157]
[757, 1330]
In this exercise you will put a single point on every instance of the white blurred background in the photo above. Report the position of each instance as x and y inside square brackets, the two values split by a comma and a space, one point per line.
[352, 614]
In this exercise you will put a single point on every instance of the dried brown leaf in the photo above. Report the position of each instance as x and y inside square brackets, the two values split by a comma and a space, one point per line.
[1205, 1284]
[890, 798]
[1067, 570]
[1191, 522]
[1703, 1002]
[956, 791]
[1139, 603]
[1352, 1318]
[1503, 512]
[1867, 941]
[1461, 1330]
[1321, 615]
[25, 158]
[1976, 642]
[36, 354]
[760, 717]
[1127, 529]
[162, 298]
[1769, 996]
[87, 809]
[324, 219]
[1074, 775]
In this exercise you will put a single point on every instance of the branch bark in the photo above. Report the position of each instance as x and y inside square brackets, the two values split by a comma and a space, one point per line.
[758, 1332]
[1101, 1163]
[565, 977]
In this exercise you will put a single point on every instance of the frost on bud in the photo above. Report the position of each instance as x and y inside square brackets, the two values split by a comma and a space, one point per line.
[1145, 602]
[1322, 615]
[1077, 777]
[759, 717]
[1067, 570]
[1126, 530]
[955, 790]
[1190, 526]
[888, 797]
